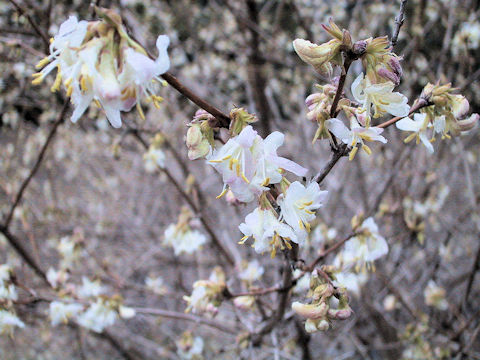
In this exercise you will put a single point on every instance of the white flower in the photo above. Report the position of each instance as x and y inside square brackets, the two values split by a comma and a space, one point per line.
[248, 163]
[298, 206]
[263, 225]
[183, 240]
[90, 288]
[97, 317]
[56, 278]
[252, 272]
[8, 292]
[154, 159]
[68, 251]
[156, 285]
[353, 282]
[435, 296]
[8, 321]
[126, 312]
[356, 135]
[192, 350]
[418, 126]
[5, 272]
[364, 248]
[60, 312]
[104, 66]
[379, 96]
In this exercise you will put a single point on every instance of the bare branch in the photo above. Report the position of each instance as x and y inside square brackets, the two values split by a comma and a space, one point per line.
[399, 20]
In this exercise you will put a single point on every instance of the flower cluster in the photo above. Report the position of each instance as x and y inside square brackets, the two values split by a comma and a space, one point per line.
[373, 92]
[181, 237]
[8, 294]
[324, 306]
[190, 347]
[249, 164]
[208, 294]
[364, 248]
[97, 61]
[447, 114]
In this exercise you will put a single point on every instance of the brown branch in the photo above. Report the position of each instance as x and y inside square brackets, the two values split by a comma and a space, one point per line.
[222, 118]
[399, 20]
[419, 104]
[337, 154]
[473, 272]
[35, 168]
[35, 26]
[22, 252]
[270, 323]
[327, 251]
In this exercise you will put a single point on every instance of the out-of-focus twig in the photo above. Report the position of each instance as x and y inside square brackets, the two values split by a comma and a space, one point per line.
[35, 168]
[35, 26]
[187, 317]
[399, 20]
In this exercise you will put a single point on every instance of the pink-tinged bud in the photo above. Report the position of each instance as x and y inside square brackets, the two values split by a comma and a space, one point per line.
[389, 75]
[359, 47]
[201, 114]
[469, 123]
[313, 99]
[460, 106]
[394, 63]
[231, 199]
[310, 311]
[339, 314]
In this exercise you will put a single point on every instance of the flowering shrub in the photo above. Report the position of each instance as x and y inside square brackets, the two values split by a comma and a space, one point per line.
[132, 238]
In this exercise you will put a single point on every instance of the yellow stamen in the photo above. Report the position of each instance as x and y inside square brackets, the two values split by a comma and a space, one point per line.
[58, 81]
[266, 182]
[69, 90]
[352, 154]
[309, 212]
[300, 223]
[245, 178]
[68, 82]
[288, 245]
[367, 149]
[140, 111]
[243, 239]
[307, 225]
[96, 102]
[222, 193]
[409, 138]
[37, 74]
[37, 80]
[42, 63]
[83, 84]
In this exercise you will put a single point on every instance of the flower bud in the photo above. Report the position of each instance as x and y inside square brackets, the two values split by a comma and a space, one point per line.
[359, 47]
[340, 314]
[460, 106]
[469, 123]
[310, 311]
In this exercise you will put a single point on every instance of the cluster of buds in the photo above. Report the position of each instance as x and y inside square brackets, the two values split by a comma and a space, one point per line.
[326, 56]
[328, 303]
[319, 105]
[200, 135]
[450, 111]
[380, 63]
[97, 61]
[207, 295]
[446, 114]
[181, 237]
[239, 119]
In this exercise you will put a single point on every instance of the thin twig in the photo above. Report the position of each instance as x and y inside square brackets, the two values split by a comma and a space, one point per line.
[35, 168]
[186, 317]
[399, 20]
[35, 26]
[419, 104]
